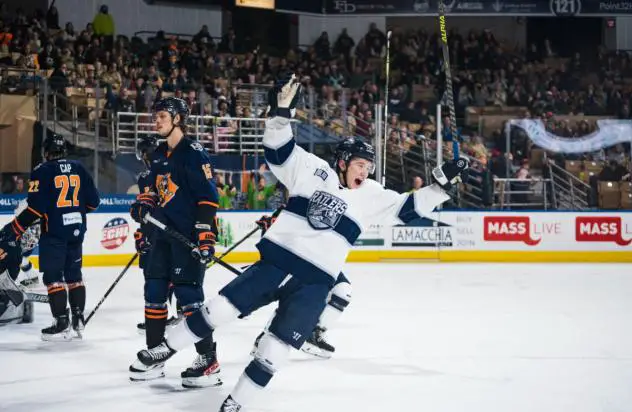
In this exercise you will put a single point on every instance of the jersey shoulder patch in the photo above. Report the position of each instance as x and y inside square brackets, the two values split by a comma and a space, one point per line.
[197, 146]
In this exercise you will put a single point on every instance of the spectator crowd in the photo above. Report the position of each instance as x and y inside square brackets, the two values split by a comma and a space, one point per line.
[343, 79]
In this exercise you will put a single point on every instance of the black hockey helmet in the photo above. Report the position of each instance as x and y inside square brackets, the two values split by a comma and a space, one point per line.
[147, 144]
[174, 106]
[54, 147]
[351, 148]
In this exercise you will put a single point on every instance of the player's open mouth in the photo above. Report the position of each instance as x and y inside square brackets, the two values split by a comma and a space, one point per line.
[358, 181]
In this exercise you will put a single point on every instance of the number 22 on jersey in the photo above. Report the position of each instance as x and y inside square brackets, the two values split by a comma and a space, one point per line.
[64, 183]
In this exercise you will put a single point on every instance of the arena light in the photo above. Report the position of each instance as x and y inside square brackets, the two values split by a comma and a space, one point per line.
[258, 4]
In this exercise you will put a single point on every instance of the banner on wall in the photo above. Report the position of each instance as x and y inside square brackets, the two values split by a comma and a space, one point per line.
[449, 235]
[609, 133]
[560, 8]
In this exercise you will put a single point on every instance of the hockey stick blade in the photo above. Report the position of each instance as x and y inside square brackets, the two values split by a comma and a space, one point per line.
[36, 297]
[183, 239]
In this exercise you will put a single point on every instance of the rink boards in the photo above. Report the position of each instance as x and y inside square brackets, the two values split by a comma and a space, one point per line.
[483, 236]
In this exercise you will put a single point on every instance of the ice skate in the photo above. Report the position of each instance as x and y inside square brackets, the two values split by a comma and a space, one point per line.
[204, 372]
[150, 363]
[78, 323]
[59, 331]
[138, 372]
[230, 405]
[316, 345]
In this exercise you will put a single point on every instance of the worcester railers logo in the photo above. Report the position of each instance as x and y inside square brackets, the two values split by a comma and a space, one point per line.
[324, 210]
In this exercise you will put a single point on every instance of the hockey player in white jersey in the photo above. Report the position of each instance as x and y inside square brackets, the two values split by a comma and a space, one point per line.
[305, 250]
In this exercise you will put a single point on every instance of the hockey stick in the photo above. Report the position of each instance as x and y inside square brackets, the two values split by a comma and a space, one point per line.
[36, 297]
[387, 71]
[182, 239]
[107, 293]
[448, 79]
[243, 239]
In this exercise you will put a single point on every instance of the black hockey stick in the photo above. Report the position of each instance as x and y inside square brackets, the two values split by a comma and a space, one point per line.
[243, 239]
[36, 297]
[449, 92]
[107, 293]
[182, 239]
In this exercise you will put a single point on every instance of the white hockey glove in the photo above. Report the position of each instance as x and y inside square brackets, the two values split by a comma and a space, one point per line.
[284, 96]
[449, 173]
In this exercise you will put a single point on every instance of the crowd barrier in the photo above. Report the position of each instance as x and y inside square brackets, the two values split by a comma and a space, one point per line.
[452, 236]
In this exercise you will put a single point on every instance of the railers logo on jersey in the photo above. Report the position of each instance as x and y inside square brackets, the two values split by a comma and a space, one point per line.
[508, 229]
[601, 229]
[325, 210]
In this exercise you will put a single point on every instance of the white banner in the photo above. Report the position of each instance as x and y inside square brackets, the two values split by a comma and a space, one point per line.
[464, 233]
[609, 133]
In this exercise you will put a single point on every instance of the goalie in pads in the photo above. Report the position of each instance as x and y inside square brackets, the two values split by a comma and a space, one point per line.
[14, 308]
[304, 251]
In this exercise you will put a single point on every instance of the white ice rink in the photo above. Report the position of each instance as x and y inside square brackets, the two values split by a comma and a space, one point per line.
[417, 337]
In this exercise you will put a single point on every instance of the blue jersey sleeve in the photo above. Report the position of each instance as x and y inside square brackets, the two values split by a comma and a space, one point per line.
[90, 193]
[200, 177]
[40, 191]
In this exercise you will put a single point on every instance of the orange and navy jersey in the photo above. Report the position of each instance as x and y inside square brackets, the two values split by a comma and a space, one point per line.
[183, 180]
[61, 193]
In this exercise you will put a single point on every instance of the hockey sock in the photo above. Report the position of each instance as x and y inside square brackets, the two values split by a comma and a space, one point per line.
[251, 382]
[271, 355]
[57, 297]
[77, 296]
[338, 302]
[205, 346]
[172, 289]
[200, 323]
[155, 323]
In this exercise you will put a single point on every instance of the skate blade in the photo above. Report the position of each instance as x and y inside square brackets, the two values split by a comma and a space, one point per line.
[59, 337]
[136, 375]
[315, 351]
[205, 381]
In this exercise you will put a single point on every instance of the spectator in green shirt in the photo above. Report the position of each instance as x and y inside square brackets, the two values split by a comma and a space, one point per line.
[226, 191]
[259, 193]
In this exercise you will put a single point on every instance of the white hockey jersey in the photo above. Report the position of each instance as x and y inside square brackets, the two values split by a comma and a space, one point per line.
[313, 235]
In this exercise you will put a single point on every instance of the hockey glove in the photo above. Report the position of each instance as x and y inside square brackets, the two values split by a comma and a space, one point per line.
[141, 243]
[145, 203]
[449, 173]
[265, 222]
[284, 96]
[10, 232]
[205, 243]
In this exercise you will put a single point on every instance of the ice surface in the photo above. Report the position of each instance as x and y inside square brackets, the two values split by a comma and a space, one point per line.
[417, 337]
